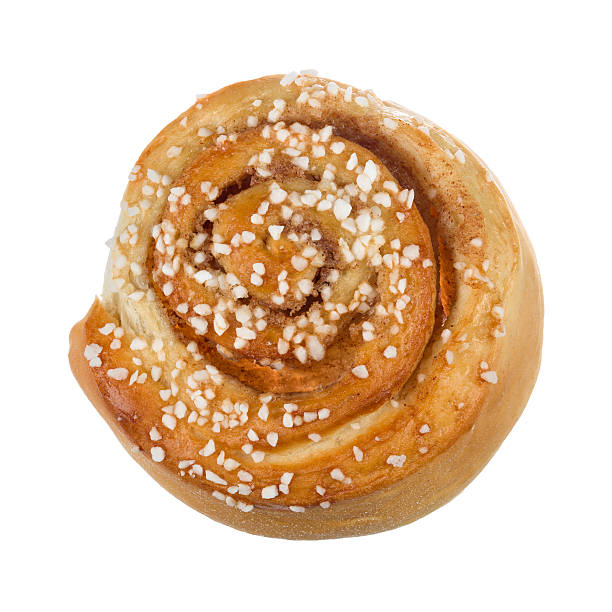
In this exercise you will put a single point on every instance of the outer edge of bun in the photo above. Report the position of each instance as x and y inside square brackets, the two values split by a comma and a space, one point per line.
[419, 493]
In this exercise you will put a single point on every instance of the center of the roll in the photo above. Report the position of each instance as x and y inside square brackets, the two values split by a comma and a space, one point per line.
[278, 256]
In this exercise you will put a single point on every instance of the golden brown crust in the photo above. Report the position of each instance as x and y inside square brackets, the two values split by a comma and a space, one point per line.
[425, 429]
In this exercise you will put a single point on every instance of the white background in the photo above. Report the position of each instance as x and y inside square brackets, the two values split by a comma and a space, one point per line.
[86, 86]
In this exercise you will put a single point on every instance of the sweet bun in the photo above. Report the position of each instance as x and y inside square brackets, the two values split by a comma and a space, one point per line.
[321, 315]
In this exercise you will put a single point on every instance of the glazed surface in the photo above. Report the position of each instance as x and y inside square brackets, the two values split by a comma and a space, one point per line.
[307, 309]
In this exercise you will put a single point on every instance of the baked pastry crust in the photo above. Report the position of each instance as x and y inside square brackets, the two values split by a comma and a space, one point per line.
[400, 432]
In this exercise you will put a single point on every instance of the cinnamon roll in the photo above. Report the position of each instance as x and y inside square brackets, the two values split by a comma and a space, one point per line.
[321, 315]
